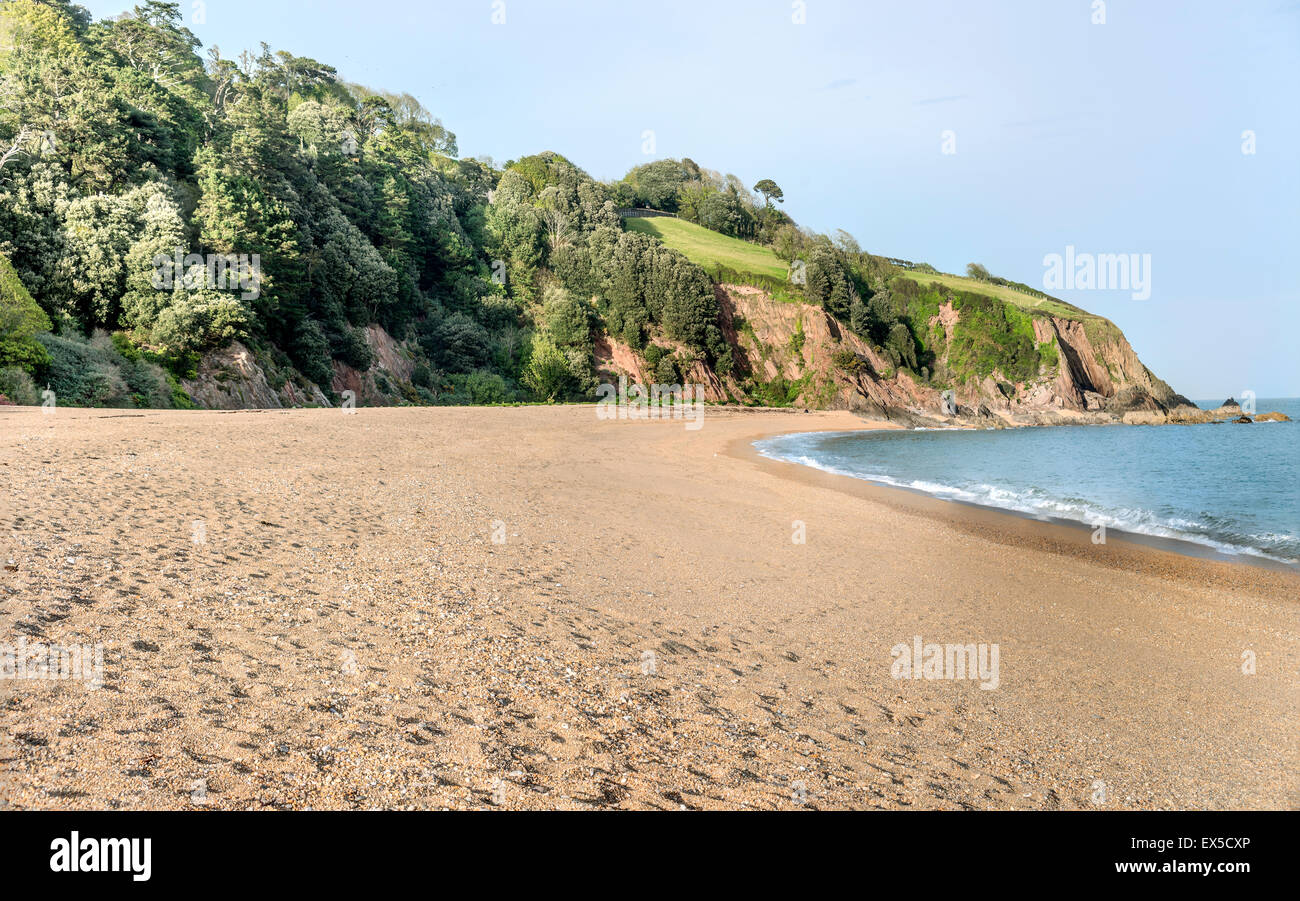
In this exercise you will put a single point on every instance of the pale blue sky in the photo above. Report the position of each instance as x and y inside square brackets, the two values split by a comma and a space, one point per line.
[1117, 138]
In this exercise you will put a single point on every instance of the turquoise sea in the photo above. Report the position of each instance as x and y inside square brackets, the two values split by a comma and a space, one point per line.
[1230, 488]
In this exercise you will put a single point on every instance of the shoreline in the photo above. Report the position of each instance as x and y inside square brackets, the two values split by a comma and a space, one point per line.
[917, 500]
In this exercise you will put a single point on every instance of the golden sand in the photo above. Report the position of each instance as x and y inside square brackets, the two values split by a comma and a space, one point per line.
[533, 608]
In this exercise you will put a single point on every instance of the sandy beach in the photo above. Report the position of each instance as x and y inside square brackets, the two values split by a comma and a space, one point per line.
[531, 608]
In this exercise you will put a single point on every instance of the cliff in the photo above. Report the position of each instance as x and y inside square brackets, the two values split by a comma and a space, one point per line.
[790, 353]
[237, 377]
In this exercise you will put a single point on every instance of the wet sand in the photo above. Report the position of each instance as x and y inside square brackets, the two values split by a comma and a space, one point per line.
[533, 608]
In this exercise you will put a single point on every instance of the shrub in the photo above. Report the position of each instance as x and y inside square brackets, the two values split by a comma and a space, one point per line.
[422, 376]
[459, 344]
[486, 387]
[991, 335]
[80, 376]
[17, 387]
[547, 373]
[173, 369]
[779, 392]
[666, 371]
[349, 345]
[797, 339]
[94, 373]
[724, 363]
[1049, 355]
[849, 361]
[20, 320]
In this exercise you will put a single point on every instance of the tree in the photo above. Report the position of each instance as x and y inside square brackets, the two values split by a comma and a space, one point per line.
[568, 319]
[557, 223]
[770, 191]
[100, 230]
[20, 320]
[830, 282]
[656, 184]
[460, 344]
[175, 310]
[846, 242]
[977, 272]
[547, 373]
[724, 212]
[196, 317]
[515, 233]
[901, 346]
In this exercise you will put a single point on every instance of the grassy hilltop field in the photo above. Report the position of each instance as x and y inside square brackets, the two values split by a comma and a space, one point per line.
[719, 253]
[711, 249]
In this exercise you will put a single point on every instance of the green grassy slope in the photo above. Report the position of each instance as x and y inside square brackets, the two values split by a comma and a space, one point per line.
[1004, 293]
[711, 249]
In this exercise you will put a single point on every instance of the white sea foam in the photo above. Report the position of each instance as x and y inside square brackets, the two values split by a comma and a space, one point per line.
[1035, 502]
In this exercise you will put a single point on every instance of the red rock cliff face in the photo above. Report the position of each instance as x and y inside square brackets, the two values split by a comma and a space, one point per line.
[1080, 372]
[390, 360]
[233, 378]
[1098, 378]
[1097, 371]
[764, 335]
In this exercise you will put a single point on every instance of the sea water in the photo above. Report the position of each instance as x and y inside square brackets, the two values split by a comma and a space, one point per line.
[1233, 488]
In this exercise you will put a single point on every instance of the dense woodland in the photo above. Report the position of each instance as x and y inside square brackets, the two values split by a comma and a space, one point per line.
[122, 146]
